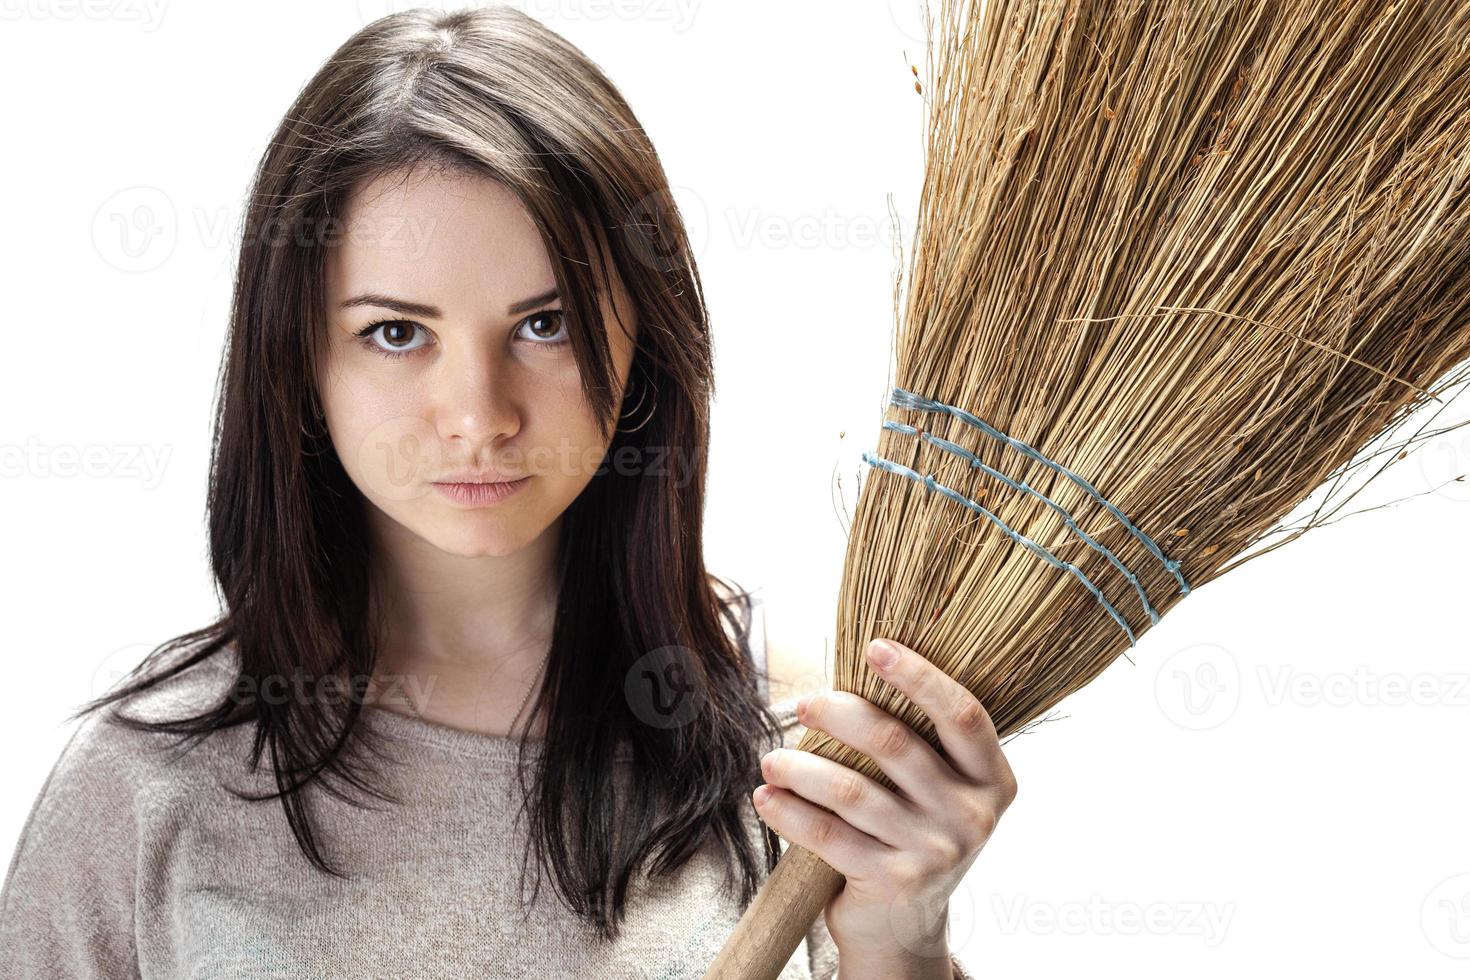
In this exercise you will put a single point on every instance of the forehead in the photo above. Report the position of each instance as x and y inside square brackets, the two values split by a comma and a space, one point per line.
[455, 240]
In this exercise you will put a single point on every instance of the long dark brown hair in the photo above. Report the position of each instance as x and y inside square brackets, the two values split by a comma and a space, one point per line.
[490, 92]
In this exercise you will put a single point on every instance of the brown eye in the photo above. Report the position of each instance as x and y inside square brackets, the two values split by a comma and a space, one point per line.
[547, 327]
[396, 335]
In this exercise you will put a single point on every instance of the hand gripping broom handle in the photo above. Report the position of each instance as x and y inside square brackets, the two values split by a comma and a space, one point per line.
[795, 893]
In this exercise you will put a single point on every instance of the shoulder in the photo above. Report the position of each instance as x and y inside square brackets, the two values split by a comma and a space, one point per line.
[104, 803]
[104, 744]
[108, 775]
[104, 752]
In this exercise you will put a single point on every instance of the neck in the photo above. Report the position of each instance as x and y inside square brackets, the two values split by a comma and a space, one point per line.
[463, 639]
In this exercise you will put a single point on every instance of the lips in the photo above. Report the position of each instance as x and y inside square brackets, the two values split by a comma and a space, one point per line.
[468, 494]
[477, 478]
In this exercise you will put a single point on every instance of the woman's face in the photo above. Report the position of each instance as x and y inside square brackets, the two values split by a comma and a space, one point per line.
[447, 360]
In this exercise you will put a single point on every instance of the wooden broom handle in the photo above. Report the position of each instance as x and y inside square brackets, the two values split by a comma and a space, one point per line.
[780, 914]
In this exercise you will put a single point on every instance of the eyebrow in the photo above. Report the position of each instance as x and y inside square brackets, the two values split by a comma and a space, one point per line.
[411, 308]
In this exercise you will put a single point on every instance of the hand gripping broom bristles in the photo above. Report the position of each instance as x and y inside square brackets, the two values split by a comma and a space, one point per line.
[1178, 264]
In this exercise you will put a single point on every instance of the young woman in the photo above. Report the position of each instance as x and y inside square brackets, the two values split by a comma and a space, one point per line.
[457, 482]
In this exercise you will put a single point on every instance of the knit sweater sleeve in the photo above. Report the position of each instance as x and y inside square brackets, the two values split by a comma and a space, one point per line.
[67, 907]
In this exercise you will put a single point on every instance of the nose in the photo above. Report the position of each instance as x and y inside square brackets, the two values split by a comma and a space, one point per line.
[476, 405]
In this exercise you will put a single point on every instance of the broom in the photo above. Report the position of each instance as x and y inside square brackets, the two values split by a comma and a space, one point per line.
[1178, 265]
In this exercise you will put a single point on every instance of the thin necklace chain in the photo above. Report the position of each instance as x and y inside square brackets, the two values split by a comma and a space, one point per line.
[529, 688]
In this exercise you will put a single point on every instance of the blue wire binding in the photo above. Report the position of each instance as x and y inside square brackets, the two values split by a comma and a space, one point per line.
[1021, 485]
[1016, 536]
[907, 399]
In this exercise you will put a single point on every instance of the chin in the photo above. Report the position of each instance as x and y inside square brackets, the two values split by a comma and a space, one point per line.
[473, 532]
[487, 543]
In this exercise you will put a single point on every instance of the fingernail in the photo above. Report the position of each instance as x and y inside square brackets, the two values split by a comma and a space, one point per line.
[762, 793]
[883, 654]
[801, 704]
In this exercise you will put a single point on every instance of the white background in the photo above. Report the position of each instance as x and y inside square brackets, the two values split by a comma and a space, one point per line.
[1253, 795]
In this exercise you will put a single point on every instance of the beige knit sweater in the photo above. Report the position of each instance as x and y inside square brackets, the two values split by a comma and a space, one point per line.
[134, 866]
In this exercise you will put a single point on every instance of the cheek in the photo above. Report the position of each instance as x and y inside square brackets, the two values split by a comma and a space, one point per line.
[387, 445]
[561, 429]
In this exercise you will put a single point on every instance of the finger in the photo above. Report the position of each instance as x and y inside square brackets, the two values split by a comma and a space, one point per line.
[848, 850]
[863, 802]
[961, 722]
[910, 762]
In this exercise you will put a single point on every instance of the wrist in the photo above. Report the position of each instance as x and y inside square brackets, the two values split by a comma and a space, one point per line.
[857, 962]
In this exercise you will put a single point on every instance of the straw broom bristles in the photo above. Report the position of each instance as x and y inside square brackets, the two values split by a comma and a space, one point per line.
[1199, 253]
